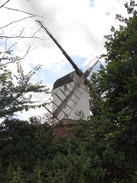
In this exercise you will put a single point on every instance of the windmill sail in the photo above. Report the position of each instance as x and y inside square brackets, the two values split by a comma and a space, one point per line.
[60, 47]
[65, 101]
[79, 72]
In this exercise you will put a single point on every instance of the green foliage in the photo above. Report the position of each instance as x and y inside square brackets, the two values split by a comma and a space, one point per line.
[17, 90]
[114, 118]
[21, 146]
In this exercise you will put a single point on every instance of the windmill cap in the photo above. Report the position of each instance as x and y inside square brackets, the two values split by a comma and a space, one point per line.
[63, 80]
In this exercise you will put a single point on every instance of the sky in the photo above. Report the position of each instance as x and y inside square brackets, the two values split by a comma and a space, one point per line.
[78, 25]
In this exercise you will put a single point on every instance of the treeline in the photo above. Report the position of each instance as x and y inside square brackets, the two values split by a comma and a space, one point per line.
[92, 154]
[28, 154]
[100, 150]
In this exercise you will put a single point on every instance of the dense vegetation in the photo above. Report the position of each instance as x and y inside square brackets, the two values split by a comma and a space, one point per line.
[101, 150]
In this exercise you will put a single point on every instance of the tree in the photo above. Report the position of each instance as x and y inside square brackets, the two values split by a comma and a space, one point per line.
[15, 31]
[16, 95]
[22, 147]
[16, 90]
[114, 118]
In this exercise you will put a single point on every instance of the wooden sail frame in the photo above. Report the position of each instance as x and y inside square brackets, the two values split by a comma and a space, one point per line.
[82, 76]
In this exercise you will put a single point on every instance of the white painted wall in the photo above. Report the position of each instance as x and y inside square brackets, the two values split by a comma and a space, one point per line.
[81, 104]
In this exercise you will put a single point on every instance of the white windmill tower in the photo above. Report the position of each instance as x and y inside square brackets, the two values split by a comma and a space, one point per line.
[71, 92]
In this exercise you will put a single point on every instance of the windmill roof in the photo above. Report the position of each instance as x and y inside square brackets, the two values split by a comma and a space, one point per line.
[63, 80]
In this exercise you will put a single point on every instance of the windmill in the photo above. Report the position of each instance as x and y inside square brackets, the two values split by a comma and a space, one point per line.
[71, 92]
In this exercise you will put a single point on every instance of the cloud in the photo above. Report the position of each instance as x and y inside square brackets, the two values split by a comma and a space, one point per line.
[78, 25]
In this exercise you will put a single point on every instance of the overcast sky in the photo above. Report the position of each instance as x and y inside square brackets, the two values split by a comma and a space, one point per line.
[78, 25]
